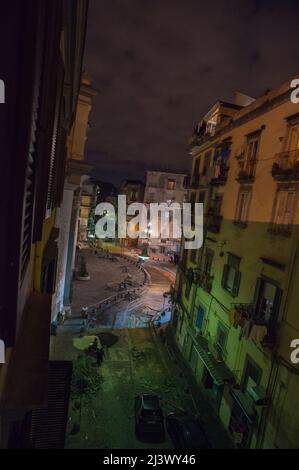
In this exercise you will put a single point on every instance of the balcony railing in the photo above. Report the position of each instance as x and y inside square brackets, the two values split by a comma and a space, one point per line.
[284, 230]
[248, 311]
[219, 175]
[247, 174]
[286, 166]
[214, 223]
[203, 279]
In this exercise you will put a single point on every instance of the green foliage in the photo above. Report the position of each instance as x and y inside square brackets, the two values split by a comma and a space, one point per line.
[87, 379]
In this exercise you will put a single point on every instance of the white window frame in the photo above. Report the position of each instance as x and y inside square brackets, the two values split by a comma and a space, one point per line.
[241, 214]
[285, 206]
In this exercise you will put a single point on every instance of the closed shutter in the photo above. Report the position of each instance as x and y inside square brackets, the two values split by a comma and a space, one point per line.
[257, 294]
[200, 317]
[276, 305]
[48, 425]
[289, 210]
[29, 190]
[56, 149]
[28, 205]
[224, 275]
[280, 207]
[236, 285]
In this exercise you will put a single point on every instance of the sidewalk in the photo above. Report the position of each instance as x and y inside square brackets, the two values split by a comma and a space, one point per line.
[182, 373]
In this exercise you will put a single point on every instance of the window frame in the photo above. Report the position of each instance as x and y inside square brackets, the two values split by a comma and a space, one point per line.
[248, 191]
[231, 260]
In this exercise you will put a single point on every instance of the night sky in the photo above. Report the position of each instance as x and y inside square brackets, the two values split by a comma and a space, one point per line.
[160, 64]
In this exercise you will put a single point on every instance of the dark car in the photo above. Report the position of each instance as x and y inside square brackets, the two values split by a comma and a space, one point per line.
[149, 419]
[186, 432]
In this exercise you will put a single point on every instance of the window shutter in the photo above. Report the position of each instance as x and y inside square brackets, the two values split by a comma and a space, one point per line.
[28, 201]
[56, 150]
[257, 292]
[224, 275]
[200, 317]
[276, 305]
[280, 207]
[236, 286]
[289, 209]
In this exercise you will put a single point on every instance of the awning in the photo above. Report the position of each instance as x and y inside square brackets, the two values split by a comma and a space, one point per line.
[245, 403]
[218, 370]
[26, 381]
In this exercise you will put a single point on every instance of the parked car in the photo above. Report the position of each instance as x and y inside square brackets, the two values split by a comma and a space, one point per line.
[149, 419]
[186, 432]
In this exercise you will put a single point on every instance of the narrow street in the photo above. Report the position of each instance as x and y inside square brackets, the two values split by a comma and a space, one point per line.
[135, 361]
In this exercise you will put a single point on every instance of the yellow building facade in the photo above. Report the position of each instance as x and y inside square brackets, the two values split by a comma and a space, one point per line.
[235, 313]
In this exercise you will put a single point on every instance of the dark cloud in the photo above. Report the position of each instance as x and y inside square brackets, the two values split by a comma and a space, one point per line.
[160, 64]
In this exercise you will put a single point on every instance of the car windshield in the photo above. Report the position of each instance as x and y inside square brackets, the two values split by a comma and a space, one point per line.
[151, 403]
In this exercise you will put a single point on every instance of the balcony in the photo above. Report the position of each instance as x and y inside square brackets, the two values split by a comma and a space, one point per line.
[214, 223]
[203, 279]
[248, 311]
[195, 182]
[247, 173]
[286, 166]
[219, 175]
[284, 230]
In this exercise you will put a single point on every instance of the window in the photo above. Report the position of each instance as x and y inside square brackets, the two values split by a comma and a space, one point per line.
[207, 160]
[218, 203]
[252, 148]
[231, 275]
[201, 198]
[243, 205]
[170, 184]
[266, 301]
[294, 138]
[284, 207]
[200, 317]
[251, 376]
[192, 202]
[193, 256]
[208, 261]
[133, 195]
[188, 286]
[221, 336]
[196, 170]
[151, 197]
[211, 124]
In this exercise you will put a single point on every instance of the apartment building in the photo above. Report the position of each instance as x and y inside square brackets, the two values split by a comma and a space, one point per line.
[134, 192]
[235, 303]
[75, 205]
[38, 116]
[164, 187]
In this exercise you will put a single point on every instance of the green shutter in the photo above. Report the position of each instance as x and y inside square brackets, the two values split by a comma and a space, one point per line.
[237, 281]
[258, 287]
[224, 275]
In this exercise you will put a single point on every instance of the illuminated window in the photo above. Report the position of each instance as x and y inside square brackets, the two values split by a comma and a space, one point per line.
[284, 207]
[170, 184]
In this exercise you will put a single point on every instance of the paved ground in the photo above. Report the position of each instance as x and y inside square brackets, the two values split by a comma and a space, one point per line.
[105, 277]
[132, 365]
[136, 361]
